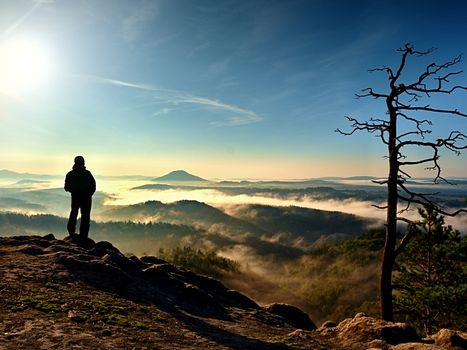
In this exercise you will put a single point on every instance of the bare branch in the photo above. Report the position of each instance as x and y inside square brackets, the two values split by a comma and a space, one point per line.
[404, 173]
[407, 237]
[380, 182]
[408, 50]
[367, 126]
[370, 92]
[421, 161]
[383, 69]
[429, 109]
[433, 69]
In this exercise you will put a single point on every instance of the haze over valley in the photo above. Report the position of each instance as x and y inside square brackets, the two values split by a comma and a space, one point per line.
[269, 228]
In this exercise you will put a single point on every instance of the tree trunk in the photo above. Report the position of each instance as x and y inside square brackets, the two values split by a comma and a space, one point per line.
[387, 263]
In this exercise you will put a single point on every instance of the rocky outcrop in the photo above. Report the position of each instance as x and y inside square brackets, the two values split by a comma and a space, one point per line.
[39, 272]
[449, 339]
[361, 328]
[293, 315]
[363, 332]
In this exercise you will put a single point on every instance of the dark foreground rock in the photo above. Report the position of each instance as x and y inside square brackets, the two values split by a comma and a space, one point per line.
[69, 294]
[293, 315]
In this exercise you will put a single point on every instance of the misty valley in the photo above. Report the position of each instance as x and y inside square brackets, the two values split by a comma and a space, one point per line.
[313, 243]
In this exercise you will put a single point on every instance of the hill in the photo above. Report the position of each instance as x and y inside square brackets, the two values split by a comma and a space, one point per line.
[179, 176]
[86, 295]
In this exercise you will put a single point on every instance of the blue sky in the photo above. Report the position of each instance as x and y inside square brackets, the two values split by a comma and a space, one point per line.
[223, 89]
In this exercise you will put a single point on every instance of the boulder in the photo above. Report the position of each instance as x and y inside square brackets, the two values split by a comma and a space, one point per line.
[122, 262]
[138, 262]
[293, 315]
[328, 324]
[416, 346]
[96, 272]
[152, 260]
[87, 242]
[49, 237]
[365, 329]
[449, 339]
[235, 298]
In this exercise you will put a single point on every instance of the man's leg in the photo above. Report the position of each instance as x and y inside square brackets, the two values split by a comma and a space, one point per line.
[85, 217]
[73, 215]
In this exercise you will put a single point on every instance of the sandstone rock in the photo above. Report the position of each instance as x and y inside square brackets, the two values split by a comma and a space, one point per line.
[97, 272]
[107, 246]
[450, 340]
[293, 315]
[87, 243]
[364, 329]
[328, 324]
[32, 250]
[49, 237]
[161, 278]
[416, 346]
[203, 282]
[195, 296]
[152, 260]
[300, 333]
[141, 265]
[120, 261]
[235, 298]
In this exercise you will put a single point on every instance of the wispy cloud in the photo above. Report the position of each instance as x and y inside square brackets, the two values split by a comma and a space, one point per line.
[126, 84]
[240, 116]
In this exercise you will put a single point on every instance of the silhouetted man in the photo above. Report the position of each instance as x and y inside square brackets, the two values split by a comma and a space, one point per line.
[82, 186]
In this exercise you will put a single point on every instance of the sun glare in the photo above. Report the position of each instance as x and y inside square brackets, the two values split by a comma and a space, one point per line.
[24, 64]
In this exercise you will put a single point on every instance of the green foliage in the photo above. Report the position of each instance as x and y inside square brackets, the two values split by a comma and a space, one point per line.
[360, 250]
[202, 262]
[431, 276]
[41, 303]
[340, 279]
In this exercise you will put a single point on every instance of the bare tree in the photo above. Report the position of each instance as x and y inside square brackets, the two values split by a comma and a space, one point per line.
[406, 102]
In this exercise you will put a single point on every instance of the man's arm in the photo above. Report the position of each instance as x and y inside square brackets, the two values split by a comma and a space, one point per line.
[67, 183]
[92, 182]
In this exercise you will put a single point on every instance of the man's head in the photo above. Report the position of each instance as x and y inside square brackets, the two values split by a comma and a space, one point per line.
[79, 161]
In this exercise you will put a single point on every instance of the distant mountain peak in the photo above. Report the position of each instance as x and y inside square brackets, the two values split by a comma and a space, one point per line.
[180, 175]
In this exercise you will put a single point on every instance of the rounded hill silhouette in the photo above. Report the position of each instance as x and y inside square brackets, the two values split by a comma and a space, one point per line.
[180, 175]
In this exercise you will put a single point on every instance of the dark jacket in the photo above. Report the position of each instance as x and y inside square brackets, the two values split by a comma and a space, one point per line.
[80, 181]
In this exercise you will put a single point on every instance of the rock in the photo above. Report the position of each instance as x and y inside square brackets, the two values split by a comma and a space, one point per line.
[328, 324]
[365, 329]
[299, 333]
[200, 298]
[32, 250]
[449, 339]
[87, 242]
[121, 262]
[161, 278]
[235, 298]
[293, 315]
[49, 237]
[416, 346]
[203, 282]
[106, 246]
[152, 260]
[97, 272]
[141, 265]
